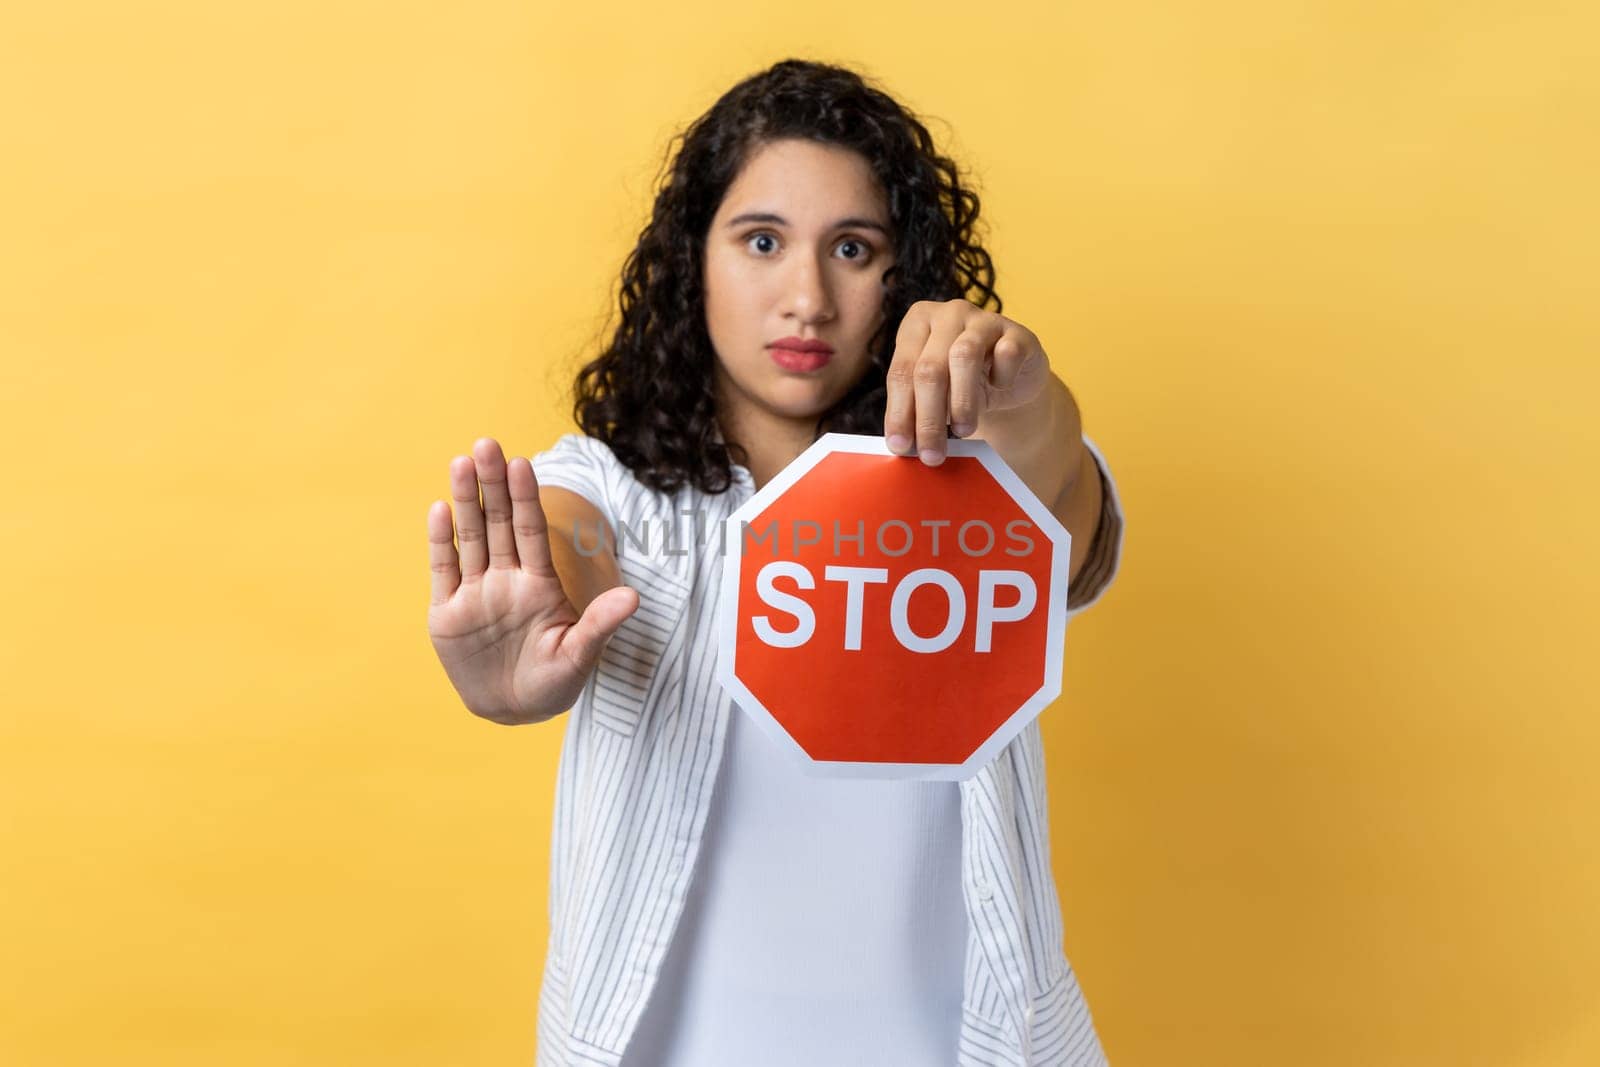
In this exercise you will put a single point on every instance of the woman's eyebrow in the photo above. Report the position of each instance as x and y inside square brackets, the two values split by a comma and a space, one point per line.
[779, 220]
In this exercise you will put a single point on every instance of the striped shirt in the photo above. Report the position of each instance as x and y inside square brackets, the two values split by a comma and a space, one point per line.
[634, 783]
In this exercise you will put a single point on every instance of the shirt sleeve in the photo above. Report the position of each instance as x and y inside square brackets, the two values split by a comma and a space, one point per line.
[1105, 550]
[585, 466]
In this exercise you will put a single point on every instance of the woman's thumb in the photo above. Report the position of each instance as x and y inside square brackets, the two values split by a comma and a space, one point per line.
[587, 637]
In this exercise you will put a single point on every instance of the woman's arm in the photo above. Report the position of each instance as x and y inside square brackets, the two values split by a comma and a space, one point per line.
[1042, 441]
[582, 545]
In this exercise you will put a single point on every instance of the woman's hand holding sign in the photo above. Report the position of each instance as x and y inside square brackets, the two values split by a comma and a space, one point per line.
[953, 362]
[985, 376]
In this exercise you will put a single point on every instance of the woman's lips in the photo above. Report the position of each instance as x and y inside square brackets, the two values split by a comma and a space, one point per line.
[793, 359]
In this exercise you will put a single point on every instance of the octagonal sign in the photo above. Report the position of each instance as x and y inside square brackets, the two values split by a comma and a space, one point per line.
[881, 618]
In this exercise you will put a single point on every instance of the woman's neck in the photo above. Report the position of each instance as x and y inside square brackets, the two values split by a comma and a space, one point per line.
[770, 441]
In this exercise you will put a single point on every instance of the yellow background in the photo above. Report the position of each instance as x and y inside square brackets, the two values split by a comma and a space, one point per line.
[1323, 277]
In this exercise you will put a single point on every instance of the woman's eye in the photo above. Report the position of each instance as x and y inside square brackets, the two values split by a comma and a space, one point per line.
[760, 237]
[852, 242]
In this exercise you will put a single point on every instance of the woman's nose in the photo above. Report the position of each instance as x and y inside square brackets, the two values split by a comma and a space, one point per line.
[808, 292]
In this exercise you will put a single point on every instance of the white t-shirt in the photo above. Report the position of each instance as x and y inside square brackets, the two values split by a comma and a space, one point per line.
[824, 924]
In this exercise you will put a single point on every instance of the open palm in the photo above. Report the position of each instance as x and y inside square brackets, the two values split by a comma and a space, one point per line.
[509, 638]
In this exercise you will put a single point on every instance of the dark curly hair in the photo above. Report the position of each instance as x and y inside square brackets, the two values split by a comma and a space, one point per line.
[649, 394]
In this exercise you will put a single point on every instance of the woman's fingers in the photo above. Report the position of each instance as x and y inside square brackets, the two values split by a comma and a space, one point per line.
[586, 638]
[949, 376]
[1011, 350]
[491, 469]
[970, 362]
[939, 376]
[527, 519]
[442, 561]
[930, 390]
[469, 516]
[507, 529]
[899, 424]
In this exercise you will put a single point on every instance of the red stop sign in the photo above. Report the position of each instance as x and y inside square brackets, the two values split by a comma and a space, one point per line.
[883, 618]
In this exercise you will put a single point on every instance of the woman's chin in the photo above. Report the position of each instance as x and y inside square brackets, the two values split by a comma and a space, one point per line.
[803, 400]
[792, 397]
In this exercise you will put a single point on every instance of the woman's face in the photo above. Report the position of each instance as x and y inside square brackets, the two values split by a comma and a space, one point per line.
[797, 249]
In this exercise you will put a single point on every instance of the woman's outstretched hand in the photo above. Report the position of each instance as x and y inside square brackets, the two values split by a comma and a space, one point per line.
[953, 362]
[510, 639]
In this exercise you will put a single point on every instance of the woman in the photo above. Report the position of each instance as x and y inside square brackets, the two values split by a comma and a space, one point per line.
[807, 267]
